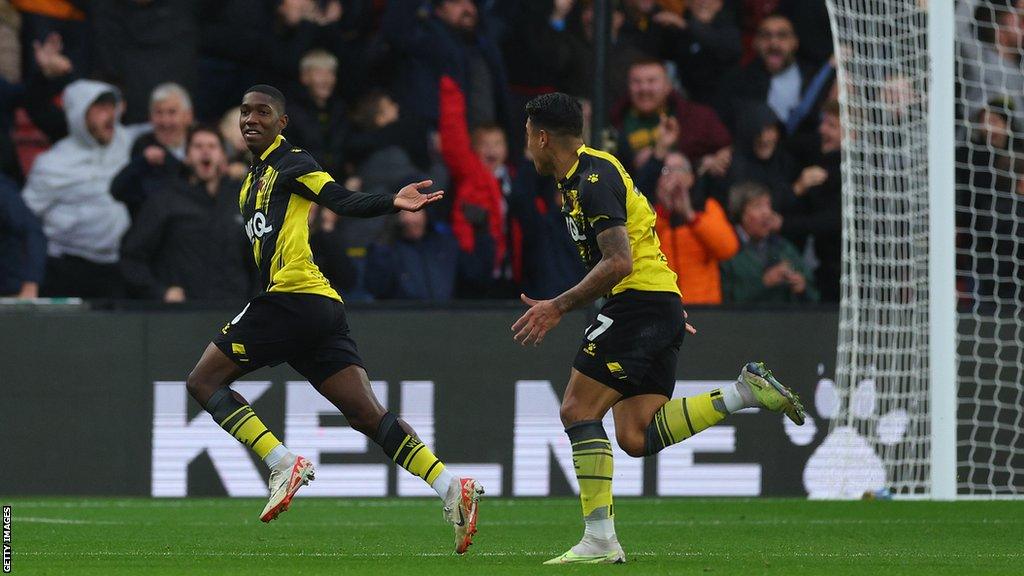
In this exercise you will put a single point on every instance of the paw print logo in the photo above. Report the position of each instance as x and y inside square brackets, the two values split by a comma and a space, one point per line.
[592, 178]
[847, 462]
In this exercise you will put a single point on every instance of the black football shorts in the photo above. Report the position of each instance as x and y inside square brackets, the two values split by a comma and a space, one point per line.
[308, 331]
[633, 345]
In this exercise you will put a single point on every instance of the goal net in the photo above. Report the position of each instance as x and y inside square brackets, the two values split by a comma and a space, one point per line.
[883, 433]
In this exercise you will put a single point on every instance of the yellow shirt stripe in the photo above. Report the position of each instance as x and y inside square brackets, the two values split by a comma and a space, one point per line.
[651, 272]
[315, 181]
[275, 201]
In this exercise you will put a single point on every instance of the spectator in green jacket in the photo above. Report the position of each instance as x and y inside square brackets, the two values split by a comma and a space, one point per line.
[768, 269]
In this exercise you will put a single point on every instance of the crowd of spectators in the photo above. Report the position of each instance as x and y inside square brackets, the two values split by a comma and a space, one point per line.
[121, 155]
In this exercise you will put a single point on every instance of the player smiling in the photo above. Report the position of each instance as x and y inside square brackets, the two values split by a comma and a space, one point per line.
[300, 319]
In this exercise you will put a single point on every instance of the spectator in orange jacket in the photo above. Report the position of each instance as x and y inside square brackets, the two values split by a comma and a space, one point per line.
[477, 190]
[695, 234]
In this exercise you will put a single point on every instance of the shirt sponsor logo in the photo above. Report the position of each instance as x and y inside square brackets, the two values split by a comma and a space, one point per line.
[257, 227]
[574, 229]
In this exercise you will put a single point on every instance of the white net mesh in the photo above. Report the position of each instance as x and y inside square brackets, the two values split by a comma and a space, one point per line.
[883, 347]
[990, 247]
[882, 365]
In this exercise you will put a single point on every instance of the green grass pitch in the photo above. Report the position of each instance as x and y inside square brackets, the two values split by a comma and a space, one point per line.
[407, 536]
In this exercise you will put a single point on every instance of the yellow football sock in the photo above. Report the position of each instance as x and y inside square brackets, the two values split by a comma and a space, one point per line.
[681, 418]
[248, 429]
[407, 451]
[592, 457]
[240, 421]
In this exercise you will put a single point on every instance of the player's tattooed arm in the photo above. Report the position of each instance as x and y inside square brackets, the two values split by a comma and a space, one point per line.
[616, 263]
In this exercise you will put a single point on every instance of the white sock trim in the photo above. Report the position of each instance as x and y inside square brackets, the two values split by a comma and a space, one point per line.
[277, 455]
[442, 482]
[603, 529]
[732, 398]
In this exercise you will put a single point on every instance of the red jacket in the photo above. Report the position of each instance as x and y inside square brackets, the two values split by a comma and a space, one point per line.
[694, 251]
[473, 182]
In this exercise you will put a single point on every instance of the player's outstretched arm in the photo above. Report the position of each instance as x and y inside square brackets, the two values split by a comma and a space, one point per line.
[616, 263]
[343, 201]
[411, 199]
[320, 188]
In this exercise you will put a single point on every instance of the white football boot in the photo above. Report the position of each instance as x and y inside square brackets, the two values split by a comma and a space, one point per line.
[460, 510]
[284, 483]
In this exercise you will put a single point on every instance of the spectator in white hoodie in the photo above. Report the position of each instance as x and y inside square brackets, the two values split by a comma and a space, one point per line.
[69, 190]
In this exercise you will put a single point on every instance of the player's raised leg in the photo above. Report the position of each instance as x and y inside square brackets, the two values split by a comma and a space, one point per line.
[349, 390]
[209, 384]
[647, 424]
[585, 403]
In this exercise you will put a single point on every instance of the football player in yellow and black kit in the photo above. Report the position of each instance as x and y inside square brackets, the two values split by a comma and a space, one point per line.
[627, 360]
[299, 318]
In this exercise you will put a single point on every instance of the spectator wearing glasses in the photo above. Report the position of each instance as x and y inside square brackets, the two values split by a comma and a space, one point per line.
[694, 232]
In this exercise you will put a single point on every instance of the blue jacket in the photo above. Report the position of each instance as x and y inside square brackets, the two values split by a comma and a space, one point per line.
[22, 243]
[428, 49]
[551, 263]
[428, 269]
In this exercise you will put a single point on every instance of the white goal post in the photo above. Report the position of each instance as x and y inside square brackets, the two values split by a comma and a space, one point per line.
[930, 364]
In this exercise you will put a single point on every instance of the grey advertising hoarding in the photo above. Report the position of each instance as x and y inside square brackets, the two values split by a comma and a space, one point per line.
[96, 401]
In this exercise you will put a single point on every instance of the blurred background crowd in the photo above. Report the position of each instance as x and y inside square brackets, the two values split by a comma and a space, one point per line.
[121, 156]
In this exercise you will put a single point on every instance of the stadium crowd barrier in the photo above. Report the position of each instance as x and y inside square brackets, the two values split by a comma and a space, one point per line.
[96, 401]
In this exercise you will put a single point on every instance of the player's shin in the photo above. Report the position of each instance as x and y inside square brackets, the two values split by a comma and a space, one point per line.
[406, 450]
[239, 420]
[592, 457]
[459, 495]
[681, 418]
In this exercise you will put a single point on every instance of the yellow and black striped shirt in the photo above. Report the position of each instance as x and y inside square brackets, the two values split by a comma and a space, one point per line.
[598, 194]
[275, 201]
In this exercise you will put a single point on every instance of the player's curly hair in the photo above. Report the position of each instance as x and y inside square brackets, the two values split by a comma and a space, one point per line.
[557, 113]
